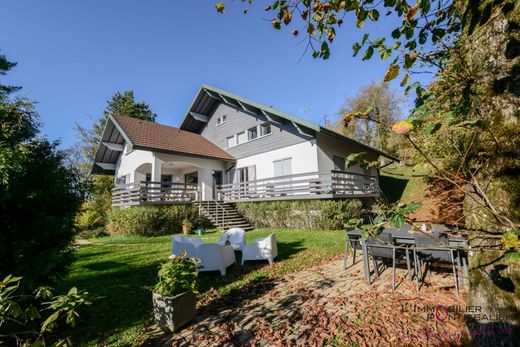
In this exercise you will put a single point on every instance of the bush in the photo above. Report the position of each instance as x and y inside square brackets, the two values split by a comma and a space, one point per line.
[39, 196]
[37, 319]
[88, 218]
[309, 214]
[152, 220]
[177, 276]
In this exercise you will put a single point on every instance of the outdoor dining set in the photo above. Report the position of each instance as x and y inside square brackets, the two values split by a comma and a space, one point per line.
[418, 248]
[219, 256]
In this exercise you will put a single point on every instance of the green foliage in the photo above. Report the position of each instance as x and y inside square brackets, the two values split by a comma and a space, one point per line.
[177, 276]
[312, 214]
[153, 220]
[510, 240]
[386, 215]
[368, 116]
[39, 196]
[98, 200]
[26, 320]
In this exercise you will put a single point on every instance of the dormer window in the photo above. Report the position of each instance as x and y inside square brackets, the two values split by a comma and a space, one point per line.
[265, 129]
[221, 120]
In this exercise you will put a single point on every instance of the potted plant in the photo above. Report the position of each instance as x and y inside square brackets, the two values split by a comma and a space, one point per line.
[174, 295]
[186, 226]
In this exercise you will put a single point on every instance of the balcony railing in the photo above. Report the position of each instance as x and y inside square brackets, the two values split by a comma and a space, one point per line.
[154, 193]
[315, 185]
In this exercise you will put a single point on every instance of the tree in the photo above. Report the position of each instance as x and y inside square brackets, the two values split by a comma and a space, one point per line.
[122, 104]
[467, 102]
[98, 199]
[39, 195]
[368, 116]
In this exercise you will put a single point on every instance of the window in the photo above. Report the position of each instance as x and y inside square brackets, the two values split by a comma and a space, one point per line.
[221, 120]
[230, 141]
[265, 129]
[242, 175]
[148, 177]
[241, 137]
[282, 167]
[252, 133]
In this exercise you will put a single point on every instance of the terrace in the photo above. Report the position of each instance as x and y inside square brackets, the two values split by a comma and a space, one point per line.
[311, 185]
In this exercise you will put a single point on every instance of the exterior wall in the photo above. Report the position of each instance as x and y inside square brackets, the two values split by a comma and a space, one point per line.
[128, 162]
[304, 159]
[282, 135]
[328, 147]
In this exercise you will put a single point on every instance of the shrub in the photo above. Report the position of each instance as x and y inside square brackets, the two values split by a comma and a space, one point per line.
[152, 220]
[39, 195]
[309, 214]
[177, 276]
[88, 218]
[27, 321]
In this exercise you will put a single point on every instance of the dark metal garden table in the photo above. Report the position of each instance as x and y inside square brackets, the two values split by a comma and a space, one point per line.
[403, 237]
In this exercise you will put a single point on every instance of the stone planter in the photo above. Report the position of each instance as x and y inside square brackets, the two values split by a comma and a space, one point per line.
[171, 313]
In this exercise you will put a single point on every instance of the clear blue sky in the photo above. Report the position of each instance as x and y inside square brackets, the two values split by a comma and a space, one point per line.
[74, 55]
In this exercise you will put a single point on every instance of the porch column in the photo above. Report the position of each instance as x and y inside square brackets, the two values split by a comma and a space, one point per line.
[156, 177]
[156, 169]
[205, 184]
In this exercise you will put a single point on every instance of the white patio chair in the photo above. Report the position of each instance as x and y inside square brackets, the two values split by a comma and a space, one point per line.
[236, 238]
[215, 257]
[181, 243]
[261, 249]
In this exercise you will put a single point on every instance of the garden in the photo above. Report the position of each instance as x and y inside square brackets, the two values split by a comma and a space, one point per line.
[119, 273]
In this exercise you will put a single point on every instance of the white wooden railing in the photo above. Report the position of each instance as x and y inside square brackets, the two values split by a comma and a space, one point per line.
[314, 185]
[162, 193]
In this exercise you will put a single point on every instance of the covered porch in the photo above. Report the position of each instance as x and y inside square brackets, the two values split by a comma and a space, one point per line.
[168, 179]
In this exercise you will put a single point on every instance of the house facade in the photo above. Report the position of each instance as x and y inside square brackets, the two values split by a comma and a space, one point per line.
[230, 149]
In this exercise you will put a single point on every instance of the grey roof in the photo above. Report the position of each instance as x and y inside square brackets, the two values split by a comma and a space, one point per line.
[208, 98]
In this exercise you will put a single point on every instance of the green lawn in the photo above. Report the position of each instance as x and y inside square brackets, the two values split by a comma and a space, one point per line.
[119, 272]
[403, 183]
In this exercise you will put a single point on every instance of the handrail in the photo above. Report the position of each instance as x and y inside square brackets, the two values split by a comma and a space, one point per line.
[322, 184]
[146, 192]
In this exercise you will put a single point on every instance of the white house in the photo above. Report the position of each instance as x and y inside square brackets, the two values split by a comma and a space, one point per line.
[230, 149]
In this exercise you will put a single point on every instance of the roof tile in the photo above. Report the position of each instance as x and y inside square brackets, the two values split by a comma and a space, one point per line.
[163, 137]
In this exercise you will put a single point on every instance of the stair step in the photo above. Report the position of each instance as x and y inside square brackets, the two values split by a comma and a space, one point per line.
[224, 215]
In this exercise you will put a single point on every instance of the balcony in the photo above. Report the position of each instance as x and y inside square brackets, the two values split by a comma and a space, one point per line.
[154, 193]
[316, 185]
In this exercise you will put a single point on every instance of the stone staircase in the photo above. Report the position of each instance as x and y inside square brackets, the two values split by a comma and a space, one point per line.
[224, 215]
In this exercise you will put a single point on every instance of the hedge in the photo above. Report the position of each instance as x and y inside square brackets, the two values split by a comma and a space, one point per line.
[152, 220]
[309, 214]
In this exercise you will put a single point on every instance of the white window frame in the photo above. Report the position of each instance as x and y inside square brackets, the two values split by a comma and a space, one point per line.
[246, 132]
[234, 141]
[282, 160]
[262, 127]
[249, 132]
[238, 137]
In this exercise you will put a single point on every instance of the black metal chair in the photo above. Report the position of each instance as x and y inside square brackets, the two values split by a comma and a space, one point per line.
[383, 247]
[354, 241]
[433, 249]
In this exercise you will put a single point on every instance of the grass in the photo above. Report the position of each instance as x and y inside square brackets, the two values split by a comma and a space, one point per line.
[403, 183]
[119, 272]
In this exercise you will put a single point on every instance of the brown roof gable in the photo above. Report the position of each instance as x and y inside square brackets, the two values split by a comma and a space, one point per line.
[160, 137]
